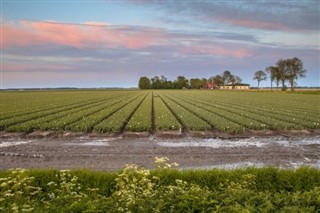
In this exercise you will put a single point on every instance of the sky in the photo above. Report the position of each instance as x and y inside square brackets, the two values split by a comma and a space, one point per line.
[113, 43]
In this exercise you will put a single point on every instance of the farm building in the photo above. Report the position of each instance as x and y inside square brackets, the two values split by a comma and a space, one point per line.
[242, 86]
[237, 86]
[226, 87]
[212, 86]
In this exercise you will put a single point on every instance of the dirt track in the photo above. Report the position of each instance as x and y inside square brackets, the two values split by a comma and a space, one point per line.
[112, 153]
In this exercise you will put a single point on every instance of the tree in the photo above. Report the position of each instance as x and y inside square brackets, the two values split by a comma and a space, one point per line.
[281, 64]
[260, 76]
[232, 80]
[169, 85]
[217, 80]
[181, 82]
[275, 75]
[156, 83]
[227, 77]
[291, 69]
[238, 79]
[196, 83]
[144, 83]
[204, 83]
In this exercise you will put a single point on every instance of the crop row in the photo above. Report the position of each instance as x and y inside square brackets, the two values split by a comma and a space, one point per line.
[19, 119]
[34, 105]
[117, 121]
[57, 121]
[278, 105]
[87, 123]
[272, 120]
[187, 118]
[164, 119]
[141, 119]
[215, 120]
[138, 111]
[243, 117]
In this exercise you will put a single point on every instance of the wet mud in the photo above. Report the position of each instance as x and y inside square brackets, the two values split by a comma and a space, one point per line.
[107, 152]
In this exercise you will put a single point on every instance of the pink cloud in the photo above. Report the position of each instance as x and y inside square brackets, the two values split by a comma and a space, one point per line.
[236, 52]
[264, 25]
[102, 35]
[81, 36]
[96, 23]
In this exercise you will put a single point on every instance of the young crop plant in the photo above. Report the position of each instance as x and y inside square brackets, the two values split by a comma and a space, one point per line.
[164, 119]
[116, 122]
[141, 119]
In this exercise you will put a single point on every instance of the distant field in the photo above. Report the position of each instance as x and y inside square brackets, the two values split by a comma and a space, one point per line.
[159, 110]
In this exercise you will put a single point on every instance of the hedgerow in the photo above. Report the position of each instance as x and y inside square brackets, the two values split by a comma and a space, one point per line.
[163, 189]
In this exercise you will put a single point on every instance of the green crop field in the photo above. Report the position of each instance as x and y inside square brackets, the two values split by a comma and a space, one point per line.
[158, 110]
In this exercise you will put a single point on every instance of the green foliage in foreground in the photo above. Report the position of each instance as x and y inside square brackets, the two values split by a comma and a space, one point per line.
[164, 189]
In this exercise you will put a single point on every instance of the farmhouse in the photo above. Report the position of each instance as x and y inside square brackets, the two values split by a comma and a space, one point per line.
[237, 86]
[226, 87]
[242, 86]
[212, 86]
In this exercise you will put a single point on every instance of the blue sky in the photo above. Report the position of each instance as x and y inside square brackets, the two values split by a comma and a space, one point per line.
[114, 43]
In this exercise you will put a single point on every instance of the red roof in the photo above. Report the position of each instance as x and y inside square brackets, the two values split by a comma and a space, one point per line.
[211, 85]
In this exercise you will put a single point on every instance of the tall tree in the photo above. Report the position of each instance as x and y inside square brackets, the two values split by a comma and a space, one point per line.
[196, 83]
[204, 83]
[218, 80]
[260, 76]
[281, 64]
[227, 77]
[156, 83]
[181, 82]
[237, 79]
[144, 83]
[292, 68]
[275, 75]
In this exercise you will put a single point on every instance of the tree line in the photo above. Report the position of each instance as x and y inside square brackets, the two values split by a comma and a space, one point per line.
[285, 70]
[182, 82]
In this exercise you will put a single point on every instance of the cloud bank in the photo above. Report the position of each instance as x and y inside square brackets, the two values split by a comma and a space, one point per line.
[185, 38]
